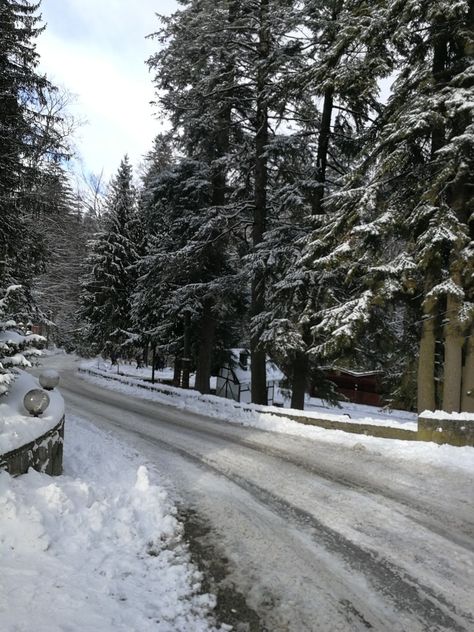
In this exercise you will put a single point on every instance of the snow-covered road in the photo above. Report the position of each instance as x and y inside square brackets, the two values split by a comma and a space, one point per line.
[318, 536]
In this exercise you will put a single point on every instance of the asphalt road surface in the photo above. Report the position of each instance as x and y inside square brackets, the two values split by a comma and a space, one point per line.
[298, 535]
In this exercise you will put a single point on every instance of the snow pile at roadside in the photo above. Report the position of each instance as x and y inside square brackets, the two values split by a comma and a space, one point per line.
[17, 426]
[144, 373]
[364, 413]
[314, 407]
[444, 416]
[52, 351]
[99, 548]
[407, 421]
[231, 412]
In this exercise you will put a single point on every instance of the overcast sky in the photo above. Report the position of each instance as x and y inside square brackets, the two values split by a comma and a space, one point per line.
[97, 49]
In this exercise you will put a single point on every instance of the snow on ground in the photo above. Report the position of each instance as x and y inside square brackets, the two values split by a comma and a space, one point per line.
[17, 426]
[362, 413]
[97, 549]
[314, 407]
[143, 373]
[441, 415]
[260, 417]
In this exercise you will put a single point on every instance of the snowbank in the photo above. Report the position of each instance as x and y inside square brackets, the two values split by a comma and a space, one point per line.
[444, 416]
[315, 408]
[17, 427]
[99, 548]
[262, 418]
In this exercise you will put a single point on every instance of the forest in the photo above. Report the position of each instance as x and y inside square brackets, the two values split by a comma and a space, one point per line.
[311, 199]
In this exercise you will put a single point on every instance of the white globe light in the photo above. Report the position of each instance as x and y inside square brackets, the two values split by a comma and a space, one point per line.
[49, 379]
[36, 401]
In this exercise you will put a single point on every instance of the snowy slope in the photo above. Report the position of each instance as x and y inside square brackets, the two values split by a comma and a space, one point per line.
[99, 548]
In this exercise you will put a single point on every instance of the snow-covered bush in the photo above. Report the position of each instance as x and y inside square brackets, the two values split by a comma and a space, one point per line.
[17, 344]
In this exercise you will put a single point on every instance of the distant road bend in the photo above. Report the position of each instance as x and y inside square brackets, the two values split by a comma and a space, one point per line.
[318, 536]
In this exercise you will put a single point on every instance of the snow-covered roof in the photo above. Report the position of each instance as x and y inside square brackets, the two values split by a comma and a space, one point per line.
[11, 337]
[352, 372]
[244, 376]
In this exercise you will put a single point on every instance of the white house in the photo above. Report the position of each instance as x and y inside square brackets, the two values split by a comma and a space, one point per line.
[234, 379]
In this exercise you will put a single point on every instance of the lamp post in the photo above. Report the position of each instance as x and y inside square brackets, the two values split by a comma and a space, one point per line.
[49, 379]
[36, 401]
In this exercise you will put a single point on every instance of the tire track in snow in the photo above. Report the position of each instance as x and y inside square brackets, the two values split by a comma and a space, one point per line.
[461, 536]
[404, 590]
[406, 593]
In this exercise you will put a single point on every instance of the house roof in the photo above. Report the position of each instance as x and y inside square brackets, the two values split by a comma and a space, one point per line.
[244, 376]
[351, 372]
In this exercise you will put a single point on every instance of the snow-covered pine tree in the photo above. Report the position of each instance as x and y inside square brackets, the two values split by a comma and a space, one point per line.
[187, 264]
[401, 226]
[334, 97]
[269, 57]
[57, 290]
[18, 345]
[196, 72]
[30, 137]
[109, 284]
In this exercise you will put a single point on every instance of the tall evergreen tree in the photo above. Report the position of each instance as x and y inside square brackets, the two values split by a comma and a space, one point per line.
[402, 225]
[199, 91]
[29, 137]
[222, 72]
[32, 138]
[334, 92]
[109, 285]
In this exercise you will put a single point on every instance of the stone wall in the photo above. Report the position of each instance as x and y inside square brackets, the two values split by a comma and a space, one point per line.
[45, 454]
[384, 432]
[453, 431]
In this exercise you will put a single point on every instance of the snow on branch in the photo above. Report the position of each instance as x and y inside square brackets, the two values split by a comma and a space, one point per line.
[340, 324]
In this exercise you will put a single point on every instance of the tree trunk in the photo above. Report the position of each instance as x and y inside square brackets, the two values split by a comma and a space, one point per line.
[426, 359]
[300, 365]
[299, 380]
[453, 344]
[153, 363]
[185, 372]
[206, 344]
[186, 359]
[258, 357]
[467, 397]
[323, 148]
[177, 371]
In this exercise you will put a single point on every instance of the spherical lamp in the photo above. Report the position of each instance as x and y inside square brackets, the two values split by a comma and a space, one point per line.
[36, 401]
[49, 379]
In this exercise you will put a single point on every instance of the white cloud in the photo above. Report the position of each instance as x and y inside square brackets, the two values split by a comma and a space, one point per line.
[97, 50]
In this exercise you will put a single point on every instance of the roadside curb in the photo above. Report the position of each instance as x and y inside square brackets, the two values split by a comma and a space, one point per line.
[382, 432]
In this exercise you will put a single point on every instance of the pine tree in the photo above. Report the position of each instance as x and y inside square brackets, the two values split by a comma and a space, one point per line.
[29, 135]
[109, 285]
[401, 226]
[32, 138]
[17, 344]
[186, 280]
[333, 93]
[199, 92]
